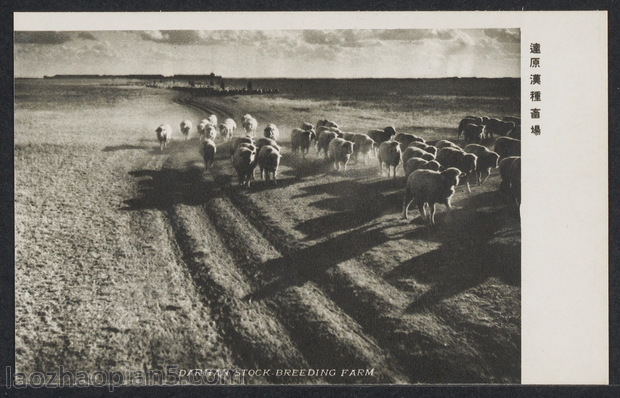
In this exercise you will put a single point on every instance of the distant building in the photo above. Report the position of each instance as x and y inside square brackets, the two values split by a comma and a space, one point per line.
[211, 79]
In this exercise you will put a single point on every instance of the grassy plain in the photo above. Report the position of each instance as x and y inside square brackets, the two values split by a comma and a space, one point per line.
[128, 256]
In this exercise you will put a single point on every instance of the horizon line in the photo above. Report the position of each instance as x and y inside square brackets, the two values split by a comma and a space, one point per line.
[185, 75]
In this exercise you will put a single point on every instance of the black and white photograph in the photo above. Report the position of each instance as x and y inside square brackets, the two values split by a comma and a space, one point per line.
[284, 205]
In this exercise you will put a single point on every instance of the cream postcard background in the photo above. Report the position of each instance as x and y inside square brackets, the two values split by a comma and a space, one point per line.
[564, 208]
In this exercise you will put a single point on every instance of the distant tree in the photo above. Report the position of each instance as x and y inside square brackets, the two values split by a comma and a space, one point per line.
[250, 85]
[222, 85]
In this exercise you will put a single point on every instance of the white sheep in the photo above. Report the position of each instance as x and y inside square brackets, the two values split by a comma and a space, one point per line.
[428, 148]
[390, 154]
[363, 145]
[413, 152]
[249, 125]
[339, 152]
[186, 127]
[209, 132]
[212, 120]
[414, 164]
[227, 129]
[201, 127]
[271, 131]
[430, 187]
[164, 135]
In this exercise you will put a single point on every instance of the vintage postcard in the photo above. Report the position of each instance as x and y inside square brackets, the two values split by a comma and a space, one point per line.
[310, 198]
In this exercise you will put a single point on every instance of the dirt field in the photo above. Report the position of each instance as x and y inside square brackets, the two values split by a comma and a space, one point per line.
[128, 257]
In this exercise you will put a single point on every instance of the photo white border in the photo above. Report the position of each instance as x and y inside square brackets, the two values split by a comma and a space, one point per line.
[564, 176]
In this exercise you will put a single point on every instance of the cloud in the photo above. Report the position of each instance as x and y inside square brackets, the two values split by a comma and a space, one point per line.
[404, 34]
[208, 37]
[321, 37]
[86, 36]
[181, 37]
[43, 37]
[504, 35]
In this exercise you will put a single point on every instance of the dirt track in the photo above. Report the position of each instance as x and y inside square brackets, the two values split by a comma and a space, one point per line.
[319, 272]
[332, 299]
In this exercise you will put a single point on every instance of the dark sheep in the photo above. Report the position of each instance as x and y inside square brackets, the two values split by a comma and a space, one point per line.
[498, 127]
[381, 136]
[430, 187]
[473, 133]
[510, 171]
[261, 142]
[466, 121]
[466, 162]
[207, 151]
[301, 140]
[406, 139]
[244, 162]
[268, 162]
[238, 141]
[325, 123]
[445, 143]
[487, 160]
[506, 146]
[323, 142]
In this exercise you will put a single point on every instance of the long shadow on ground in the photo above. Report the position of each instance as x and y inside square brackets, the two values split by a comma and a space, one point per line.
[160, 189]
[475, 247]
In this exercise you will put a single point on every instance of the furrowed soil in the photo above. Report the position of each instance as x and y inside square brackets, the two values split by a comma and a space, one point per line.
[128, 257]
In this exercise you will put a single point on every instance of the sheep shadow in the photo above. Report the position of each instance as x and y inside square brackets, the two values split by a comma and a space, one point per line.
[474, 249]
[160, 189]
[259, 185]
[311, 263]
[351, 204]
[309, 166]
[124, 147]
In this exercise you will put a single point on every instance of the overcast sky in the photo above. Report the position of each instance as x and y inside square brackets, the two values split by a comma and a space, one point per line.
[410, 53]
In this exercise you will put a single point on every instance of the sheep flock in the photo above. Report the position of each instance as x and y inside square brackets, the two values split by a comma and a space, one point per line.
[433, 170]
